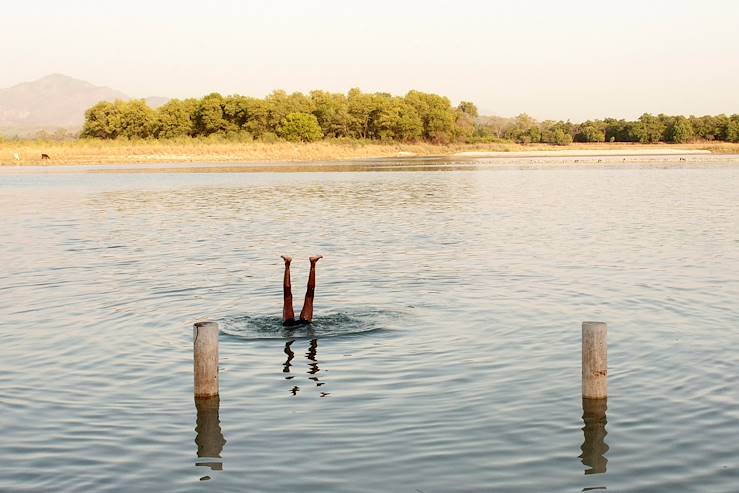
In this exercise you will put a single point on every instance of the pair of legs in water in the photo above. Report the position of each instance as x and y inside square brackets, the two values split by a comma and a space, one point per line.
[306, 314]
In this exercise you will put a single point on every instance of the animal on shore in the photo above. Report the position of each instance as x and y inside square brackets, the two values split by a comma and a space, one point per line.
[45, 156]
[683, 159]
[16, 156]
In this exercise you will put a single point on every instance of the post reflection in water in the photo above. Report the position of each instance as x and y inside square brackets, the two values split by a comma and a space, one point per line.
[313, 368]
[594, 446]
[209, 437]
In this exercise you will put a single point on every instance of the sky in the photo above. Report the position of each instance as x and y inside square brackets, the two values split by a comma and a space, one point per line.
[551, 59]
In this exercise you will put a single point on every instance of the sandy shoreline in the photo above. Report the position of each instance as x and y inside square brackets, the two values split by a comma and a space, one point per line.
[408, 164]
[94, 152]
[585, 153]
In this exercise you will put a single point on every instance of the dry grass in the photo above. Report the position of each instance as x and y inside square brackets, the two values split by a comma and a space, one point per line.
[714, 147]
[196, 151]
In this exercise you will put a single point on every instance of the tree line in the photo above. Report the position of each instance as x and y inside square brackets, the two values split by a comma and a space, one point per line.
[414, 117]
[647, 129]
[417, 116]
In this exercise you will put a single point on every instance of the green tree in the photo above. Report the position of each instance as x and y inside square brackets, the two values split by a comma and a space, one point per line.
[590, 132]
[732, 129]
[209, 117]
[466, 124]
[102, 121]
[562, 137]
[380, 116]
[361, 108]
[635, 132]
[615, 130]
[709, 127]
[523, 129]
[436, 113]
[652, 129]
[300, 127]
[622, 130]
[558, 133]
[137, 120]
[280, 104]
[250, 115]
[680, 130]
[468, 108]
[176, 118]
[235, 111]
[332, 113]
[397, 120]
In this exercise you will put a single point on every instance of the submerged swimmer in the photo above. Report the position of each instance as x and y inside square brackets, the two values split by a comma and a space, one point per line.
[306, 314]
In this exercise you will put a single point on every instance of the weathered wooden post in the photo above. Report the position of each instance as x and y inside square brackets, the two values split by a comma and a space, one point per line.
[594, 360]
[594, 395]
[205, 355]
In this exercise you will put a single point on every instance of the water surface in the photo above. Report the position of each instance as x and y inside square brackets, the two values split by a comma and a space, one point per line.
[446, 350]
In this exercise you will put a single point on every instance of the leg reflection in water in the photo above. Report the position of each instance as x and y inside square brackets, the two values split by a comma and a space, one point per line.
[594, 446]
[290, 356]
[313, 365]
[313, 368]
[209, 438]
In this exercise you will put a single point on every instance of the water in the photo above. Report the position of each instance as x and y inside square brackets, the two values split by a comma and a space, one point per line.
[446, 350]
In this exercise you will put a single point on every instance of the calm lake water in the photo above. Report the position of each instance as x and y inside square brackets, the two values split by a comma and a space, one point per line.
[445, 355]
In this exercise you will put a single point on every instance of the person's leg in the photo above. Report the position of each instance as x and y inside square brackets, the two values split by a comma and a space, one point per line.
[306, 314]
[287, 294]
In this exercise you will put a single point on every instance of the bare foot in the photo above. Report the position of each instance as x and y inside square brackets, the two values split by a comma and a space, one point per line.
[315, 258]
[286, 259]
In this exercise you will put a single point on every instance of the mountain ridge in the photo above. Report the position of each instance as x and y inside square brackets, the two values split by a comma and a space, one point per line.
[53, 102]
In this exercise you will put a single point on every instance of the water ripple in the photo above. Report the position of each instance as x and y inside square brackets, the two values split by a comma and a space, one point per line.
[325, 325]
[445, 350]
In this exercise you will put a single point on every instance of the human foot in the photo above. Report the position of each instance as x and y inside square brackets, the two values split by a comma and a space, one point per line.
[286, 259]
[315, 258]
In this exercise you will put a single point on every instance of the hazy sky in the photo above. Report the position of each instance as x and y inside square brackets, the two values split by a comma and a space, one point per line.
[552, 59]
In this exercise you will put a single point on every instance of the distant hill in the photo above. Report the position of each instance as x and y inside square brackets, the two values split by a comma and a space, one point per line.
[53, 102]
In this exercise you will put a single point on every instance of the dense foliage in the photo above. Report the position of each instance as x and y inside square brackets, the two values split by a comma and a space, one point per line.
[417, 116]
[648, 129]
[294, 117]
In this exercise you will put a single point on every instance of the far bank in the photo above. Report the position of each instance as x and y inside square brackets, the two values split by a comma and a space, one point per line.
[197, 151]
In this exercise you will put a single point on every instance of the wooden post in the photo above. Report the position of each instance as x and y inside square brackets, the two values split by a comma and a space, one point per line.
[205, 355]
[594, 360]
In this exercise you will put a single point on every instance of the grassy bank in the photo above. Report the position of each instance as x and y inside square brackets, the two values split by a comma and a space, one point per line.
[198, 151]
